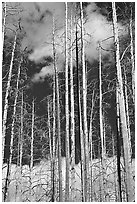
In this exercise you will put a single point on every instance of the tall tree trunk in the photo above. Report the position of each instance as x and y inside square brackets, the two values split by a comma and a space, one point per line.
[58, 117]
[4, 21]
[67, 108]
[12, 132]
[132, 54]
[21, 133]
[84, 108]
[32, 136]
[21, 143]
[114, 169]
[90, 144]
[80, 131]
[127, 109]
[6, 98]
[72, 118]
[51, 150]
[126, 142]
[82, 146]
[77, 88]
[14, 112]
[100, 104]
[101, 123]
[49, 129]
[32, 149]
[54, 142]
[118, 148]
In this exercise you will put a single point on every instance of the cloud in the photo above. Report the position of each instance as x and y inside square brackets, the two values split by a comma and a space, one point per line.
[97, 28]
[45, 71]
[36, 18]
[40, 52]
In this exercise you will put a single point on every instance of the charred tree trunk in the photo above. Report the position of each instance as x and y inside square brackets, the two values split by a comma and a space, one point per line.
[84, 88]
[90, 144]
[58, 116]
[118, 149]
[132, 54]
[21, 133]
[51, 151]
[32, 149]
[67, 108]
[6, 97]
[101, 125]
[4, 21]
[72, 118]
[80, 131]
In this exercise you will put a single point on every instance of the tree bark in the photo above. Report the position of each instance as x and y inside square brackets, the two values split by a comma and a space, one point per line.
[86, 172]
[101, 125]
[6, 97]
[32, 148]
[51, 151]
[58, 116]
[14, 112]
[54, 142]
[118, 148]
[82, 146]
[132, 55]
[67, 107]
[4, 22]
[21, 132]
[90, 143]
[127, 109]
[72, 118]
[21, 143]
[80, 130]
[32, 135]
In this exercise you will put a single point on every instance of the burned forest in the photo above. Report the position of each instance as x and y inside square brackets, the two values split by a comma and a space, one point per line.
[68, 101]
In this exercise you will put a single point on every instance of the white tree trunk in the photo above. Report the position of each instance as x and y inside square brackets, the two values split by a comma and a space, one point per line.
[54, 193]
[32, 149]
[6, 97]
[58, 116]
[127, 110]
[82, 152]
[51, 151]
[72, 118]
[100, 104]
[32, 135]
[101, 125]
[21, 144]
[90, 145]
[14, 112]
[67, 108]
[4, 21]
[132, 56]
[21, 133]
[118, 147]
[86, 171]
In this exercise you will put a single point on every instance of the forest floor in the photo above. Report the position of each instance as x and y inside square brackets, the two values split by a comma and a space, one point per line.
[35, 186]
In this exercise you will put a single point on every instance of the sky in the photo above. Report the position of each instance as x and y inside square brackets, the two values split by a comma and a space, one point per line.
[36, 19]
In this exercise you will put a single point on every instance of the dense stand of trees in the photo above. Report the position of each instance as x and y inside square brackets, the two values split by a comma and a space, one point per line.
[88, 114]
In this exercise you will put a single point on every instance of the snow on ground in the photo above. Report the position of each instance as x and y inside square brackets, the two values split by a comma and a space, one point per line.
[36, 185]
